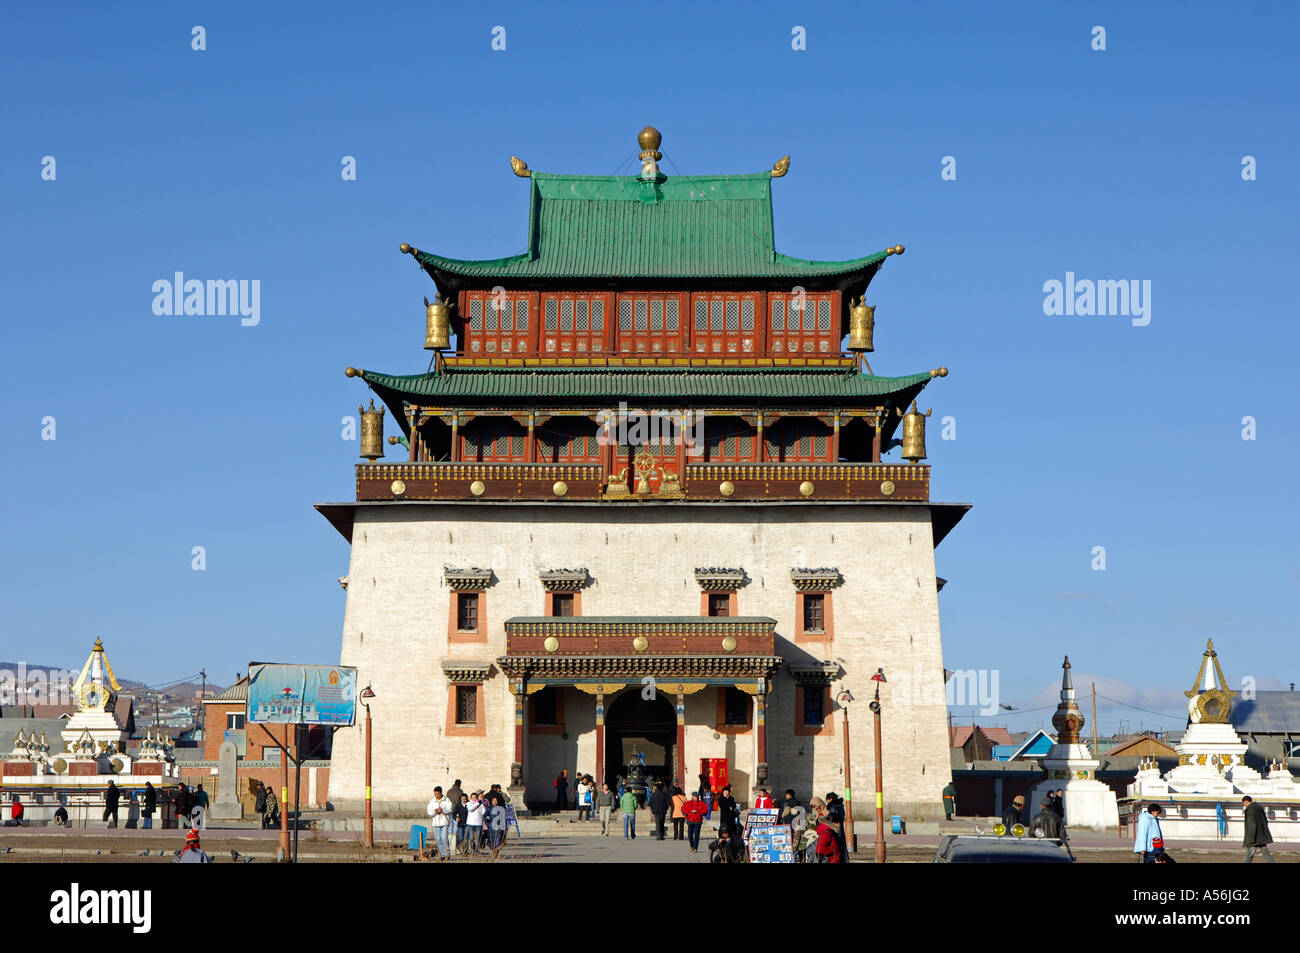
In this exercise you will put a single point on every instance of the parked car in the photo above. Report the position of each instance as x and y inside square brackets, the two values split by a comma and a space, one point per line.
[984, 849]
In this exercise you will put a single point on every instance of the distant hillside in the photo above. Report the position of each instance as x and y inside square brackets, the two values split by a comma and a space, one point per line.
[182, 692]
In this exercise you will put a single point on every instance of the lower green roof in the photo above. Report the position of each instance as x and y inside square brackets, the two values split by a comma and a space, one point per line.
[671, 384]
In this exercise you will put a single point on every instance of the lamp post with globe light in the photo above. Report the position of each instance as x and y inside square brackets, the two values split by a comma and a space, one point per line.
[850, 840]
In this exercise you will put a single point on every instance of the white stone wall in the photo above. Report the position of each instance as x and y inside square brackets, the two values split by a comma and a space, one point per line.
[642, 560]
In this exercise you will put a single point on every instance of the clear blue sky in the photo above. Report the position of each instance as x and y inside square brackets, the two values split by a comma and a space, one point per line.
[1072, 432]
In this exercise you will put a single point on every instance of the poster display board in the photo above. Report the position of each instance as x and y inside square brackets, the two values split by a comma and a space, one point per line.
[767, 839]
[302, 694]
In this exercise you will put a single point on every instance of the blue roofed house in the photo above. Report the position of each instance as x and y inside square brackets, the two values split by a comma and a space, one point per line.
[1035, 746]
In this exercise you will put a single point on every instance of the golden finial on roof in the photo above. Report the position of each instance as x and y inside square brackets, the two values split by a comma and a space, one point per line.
[520, 167]
[649, 139]
[781, 168]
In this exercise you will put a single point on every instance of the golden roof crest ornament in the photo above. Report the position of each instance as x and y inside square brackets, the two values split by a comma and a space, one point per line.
[649, 139]
[1209, 699]
[781, 167]
[520, 167]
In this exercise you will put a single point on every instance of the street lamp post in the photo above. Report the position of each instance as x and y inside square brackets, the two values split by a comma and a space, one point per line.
[850, 839]
[880, 790]
[366, 695]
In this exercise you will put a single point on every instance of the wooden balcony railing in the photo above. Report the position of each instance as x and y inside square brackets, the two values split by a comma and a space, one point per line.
[640, 635]
[701, 482]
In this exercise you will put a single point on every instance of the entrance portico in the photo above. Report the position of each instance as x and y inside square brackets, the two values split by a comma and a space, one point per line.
[640, 670]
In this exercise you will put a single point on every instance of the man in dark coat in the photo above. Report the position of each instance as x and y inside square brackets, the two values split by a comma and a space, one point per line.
[1257, 834]
[727, 813]
[1047, 823]
[150, 804]
[110, 804]
[659, 804]
[949, 800]
[562, 790]
[260, 803]
[1014, 814]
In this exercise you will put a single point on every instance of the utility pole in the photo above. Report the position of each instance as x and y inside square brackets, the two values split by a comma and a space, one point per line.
[1094, 719]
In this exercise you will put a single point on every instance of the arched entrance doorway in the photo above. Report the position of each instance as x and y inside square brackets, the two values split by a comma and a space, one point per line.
[649, 725]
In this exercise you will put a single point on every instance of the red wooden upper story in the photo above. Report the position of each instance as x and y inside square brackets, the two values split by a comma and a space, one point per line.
[501, 323]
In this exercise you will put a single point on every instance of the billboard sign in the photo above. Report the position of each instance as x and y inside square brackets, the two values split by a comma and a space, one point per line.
[302, 694]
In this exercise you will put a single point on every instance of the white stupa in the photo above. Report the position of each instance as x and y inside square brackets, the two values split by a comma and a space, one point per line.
[1072, 768]
[95, 720]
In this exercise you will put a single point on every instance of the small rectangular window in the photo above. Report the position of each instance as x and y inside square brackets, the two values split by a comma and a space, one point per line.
[814, 706]
[814, 616]
[719, 604]
[235, 720]
[562, 604]
[467, 611]
[466, 705]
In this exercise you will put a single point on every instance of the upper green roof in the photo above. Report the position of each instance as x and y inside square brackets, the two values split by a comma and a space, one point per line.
[670, 384]
[608, 226]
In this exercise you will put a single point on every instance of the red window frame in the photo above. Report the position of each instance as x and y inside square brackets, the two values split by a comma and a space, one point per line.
[652, 323]
[495, 325]
[568, 440]
[815, 331]
[725, 324]
[493, 440]
[725, 440]
[575, 323]
[798, 440]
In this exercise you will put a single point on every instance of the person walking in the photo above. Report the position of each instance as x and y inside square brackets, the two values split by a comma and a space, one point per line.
[949, 800]
[694, 811]
[199, 812]
[259, 804]
[459, 817]
[1047, 823]
[474, 810]
[1257, 836]
[150, 805]
[584, 799]
[679, 816]
[562, 790]
[272, 807]
[111, 796]
[659, 805]
[628, 804]
[440, 811]
[183, 804]
[728, 814]
[15, 813]
[827, 848]
[1149, 841]
[605, 804]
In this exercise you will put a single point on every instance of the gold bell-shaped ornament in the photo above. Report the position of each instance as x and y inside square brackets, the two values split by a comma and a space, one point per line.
[372, 432]
[862, 324]
[437, 325]
[914, 434]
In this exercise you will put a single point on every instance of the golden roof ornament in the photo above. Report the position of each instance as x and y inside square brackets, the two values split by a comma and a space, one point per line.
[781, 167]
[1209, 700]
[649, 140]
[437, 324]
[914, 433]
[862, 325]
[520, 167]
[372, 431]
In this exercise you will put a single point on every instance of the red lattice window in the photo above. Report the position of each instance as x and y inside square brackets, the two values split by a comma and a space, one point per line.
[798, 440]
[493, 440]
[728, 440]
[724, 324]
[652, 323]
[568, 440]
[498, 324]
[575, 324]
[803, 325]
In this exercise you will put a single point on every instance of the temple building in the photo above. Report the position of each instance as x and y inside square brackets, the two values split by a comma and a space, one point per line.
[642, 499]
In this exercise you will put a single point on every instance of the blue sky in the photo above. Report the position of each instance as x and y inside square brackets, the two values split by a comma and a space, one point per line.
[1072, 432]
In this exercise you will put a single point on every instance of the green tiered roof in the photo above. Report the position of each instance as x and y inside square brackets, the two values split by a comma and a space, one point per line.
[683, 227]
[671, 384]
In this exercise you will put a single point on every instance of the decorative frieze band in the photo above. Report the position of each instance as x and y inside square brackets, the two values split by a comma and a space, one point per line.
[472, 578]
[816, 580]
[816, 673]
[565, 580]
[634, 667]
[719, 579]
[468, 672]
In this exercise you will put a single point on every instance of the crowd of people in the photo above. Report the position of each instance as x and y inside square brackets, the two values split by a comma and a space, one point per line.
[466, 823]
